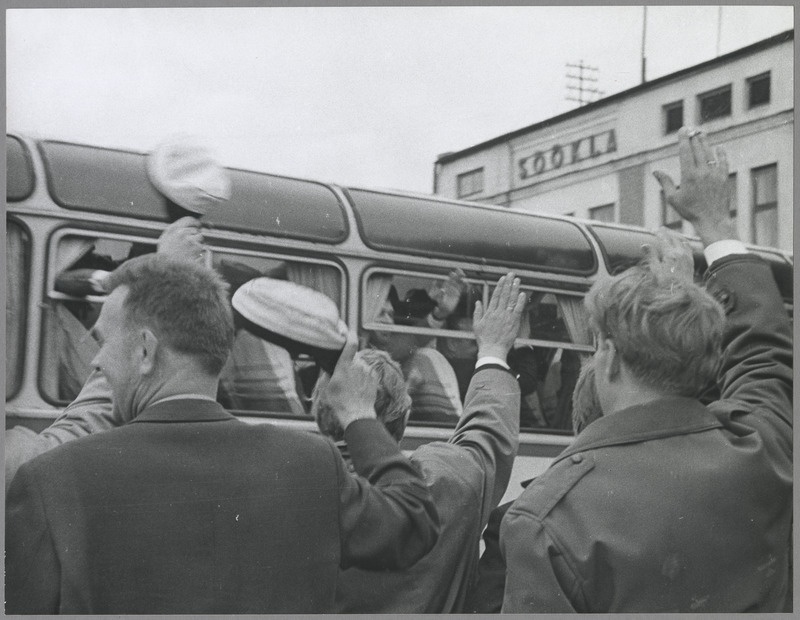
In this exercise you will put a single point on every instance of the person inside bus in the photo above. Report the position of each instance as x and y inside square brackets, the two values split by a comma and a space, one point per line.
[692, 503]
[432, 382]
[467, 475]
[184, 508]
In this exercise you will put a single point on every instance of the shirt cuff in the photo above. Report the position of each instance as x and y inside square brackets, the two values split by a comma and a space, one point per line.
[490, 359]
[726, 247]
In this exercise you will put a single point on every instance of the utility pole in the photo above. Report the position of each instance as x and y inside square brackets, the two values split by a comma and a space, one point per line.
[585, 93]
[719, 27]
[644, 38]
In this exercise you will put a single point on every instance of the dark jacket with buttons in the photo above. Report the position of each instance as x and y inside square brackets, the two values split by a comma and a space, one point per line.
[188, 510]
[673, 506]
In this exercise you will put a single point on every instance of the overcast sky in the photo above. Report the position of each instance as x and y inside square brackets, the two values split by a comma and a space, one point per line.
[363, 96]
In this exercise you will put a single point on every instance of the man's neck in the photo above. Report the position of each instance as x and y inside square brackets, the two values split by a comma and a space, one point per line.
[628, 391]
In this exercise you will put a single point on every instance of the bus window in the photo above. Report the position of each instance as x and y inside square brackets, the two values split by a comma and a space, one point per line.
[17, 270]
[72, 307]
[438, 360]
[262, 377]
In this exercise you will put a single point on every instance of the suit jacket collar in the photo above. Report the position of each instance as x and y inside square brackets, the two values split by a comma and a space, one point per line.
[666, 417]
[184, 410]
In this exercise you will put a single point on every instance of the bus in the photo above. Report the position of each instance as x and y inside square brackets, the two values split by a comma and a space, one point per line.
[65, 201]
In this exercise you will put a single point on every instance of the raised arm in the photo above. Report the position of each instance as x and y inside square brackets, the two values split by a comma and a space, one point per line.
[756, 363]
[489, 428]
[387, 516]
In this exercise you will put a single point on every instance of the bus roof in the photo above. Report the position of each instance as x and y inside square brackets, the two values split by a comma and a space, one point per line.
[115, 182]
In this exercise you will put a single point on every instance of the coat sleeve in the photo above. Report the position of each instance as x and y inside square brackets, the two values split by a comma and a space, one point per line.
[538, 578]
[90, 412]
[387, 517]
[33, 576]
[488, 431]
[756, 365]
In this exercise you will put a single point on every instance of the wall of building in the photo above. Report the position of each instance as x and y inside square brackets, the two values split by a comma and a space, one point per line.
[607, 153]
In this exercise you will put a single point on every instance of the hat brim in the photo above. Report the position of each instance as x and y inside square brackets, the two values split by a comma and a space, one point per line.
[326, 358]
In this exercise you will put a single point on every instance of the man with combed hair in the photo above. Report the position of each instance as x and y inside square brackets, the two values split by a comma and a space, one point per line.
[467, 475]
[184, 508]
[663, 504]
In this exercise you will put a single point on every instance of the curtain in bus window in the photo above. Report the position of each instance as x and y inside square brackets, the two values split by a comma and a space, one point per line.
[319, 277]
[69, 351]
[572, 311]
[15, 305]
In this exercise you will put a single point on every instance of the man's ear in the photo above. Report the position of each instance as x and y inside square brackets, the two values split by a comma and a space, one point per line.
[148, 345]
[609, 363]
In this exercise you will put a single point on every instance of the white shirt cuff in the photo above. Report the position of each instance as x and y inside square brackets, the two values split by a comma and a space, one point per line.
[489, 359]
[726, 247]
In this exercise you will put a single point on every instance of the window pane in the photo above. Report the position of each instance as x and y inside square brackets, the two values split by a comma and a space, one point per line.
[603, 213]
[17, 269]
[260, 376]
[765, 225]
[68, 316]
[759, 90]
[715, 104]
[547, 378]
[470, 183]
[733, 197]
[438, 367]
[673, 117]
[765, 185]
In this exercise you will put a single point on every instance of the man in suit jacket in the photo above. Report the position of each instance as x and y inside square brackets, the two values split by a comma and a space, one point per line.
[664, 504]
[185, 509]
[467, 474]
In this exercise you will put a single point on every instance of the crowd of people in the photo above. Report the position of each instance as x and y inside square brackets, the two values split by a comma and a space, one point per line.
[146, 496]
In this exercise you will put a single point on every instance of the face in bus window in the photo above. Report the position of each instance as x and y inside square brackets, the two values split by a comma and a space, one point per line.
[399, 346]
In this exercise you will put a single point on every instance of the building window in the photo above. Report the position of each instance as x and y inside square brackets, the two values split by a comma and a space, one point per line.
[470, 183]
[765, 205]
[758, 90]
[669, 216]
[714, 104]
[733, 198]
[673, 117]
[604, 213]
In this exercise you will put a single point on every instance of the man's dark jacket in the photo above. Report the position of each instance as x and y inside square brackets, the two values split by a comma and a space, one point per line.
[188, 510]
[673, 506]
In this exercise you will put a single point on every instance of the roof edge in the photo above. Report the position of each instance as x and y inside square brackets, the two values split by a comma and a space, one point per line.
[772, 41]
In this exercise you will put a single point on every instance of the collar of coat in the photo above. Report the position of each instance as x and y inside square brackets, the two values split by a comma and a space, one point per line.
[666, 417]
[184, 410]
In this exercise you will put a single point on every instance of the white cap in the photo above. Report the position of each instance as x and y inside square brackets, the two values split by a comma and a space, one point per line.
[293, 311]
[187, 173]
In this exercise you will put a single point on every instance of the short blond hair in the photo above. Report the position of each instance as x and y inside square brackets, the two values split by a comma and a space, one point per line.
[666, 329]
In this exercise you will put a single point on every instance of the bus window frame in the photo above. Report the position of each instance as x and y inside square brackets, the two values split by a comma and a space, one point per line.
[25, 292]
[214, 250]
[486, 285]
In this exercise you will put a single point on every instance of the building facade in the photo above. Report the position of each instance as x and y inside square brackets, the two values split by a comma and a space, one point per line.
[596, 162]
